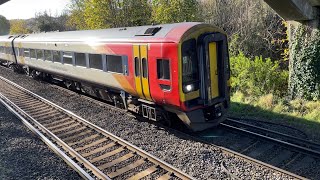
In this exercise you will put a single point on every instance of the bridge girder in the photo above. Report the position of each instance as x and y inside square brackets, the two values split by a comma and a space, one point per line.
[3, 1]
[297, 10]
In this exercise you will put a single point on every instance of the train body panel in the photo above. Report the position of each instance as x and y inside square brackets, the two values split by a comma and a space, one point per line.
[181, 68]
[6, 51]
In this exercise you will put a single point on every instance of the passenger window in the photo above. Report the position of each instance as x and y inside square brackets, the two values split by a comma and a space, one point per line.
[95, 61]
[9, 50]
[16, 50]
[67, 57]
[137, 66]
[80, 59]
[144, 68]
[114, 64]
[27, 53]
[33, 53]
[40, 54]
[163, 68]
[47, 55]
[21, 52]
[56, 56]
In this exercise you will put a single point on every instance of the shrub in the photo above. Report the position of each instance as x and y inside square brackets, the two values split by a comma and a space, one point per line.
[258, 76]
[265, 102]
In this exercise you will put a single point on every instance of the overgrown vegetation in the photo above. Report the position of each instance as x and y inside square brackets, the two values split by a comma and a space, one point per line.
[4, 26]
[258, 76]
[42, 22]
[253, 27]
[275, 108]
[305, 63]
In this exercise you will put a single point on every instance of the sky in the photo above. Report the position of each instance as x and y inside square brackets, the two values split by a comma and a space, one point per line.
[25, 9]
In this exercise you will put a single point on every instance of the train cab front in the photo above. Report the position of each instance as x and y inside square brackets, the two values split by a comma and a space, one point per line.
[204, 85]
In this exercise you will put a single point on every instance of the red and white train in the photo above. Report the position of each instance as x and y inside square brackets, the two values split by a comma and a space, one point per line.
[155, 71]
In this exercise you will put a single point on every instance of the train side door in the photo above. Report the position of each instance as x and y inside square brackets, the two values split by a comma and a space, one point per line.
[141, 71]
[214, 57]
[213, 70]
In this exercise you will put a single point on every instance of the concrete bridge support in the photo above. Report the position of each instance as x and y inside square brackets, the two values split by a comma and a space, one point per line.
[303, 17]
[306, 12]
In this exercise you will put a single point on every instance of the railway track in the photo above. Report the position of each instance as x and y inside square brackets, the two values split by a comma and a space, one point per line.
[277, 149]
[93, 152]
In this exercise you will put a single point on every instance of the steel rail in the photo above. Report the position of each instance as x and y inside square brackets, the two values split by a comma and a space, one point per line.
[172, 171]
[206, 142]
[303, 146]
[237, 154]
[8, 104]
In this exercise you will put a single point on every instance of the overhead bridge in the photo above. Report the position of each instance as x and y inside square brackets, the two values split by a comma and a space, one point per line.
[3, 1]
[296, 10]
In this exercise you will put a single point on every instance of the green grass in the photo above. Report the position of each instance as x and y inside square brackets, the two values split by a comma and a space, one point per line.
[301, 114]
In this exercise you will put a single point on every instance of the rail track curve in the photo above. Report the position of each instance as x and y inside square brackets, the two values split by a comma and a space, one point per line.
[277, 149]
[92, 151]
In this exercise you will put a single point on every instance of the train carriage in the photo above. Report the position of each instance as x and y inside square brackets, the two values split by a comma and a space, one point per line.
[6, 51]
[154, 70]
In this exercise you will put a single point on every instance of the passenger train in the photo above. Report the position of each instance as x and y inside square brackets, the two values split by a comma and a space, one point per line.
[157, 71]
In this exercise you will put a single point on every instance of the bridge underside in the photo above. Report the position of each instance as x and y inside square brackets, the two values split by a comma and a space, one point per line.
[297, 10]
[3, 1]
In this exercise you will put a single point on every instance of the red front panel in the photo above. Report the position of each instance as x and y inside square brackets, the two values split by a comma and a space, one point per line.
[164, 51]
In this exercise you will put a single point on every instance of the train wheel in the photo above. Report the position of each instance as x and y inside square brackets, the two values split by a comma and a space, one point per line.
[27, 71]
[36, 74]
[12, 67]
[70, 85]
[117, 100]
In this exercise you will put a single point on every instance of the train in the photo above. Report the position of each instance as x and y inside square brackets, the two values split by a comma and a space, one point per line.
[157, 71]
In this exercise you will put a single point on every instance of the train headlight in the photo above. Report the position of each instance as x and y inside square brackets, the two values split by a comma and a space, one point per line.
[189, 88]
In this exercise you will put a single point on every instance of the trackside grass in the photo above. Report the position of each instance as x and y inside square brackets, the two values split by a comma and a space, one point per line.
[301, 114]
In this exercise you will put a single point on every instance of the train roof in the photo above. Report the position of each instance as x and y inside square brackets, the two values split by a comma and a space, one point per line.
[6, 38]
[158, 33]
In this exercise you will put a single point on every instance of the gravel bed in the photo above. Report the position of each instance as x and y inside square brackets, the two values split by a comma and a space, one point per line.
[82, 144]
[103, 144]
[197, 159]
[53, 124]
[275, 151]
[158, 173]
[75, 139]
[132, 172]
[24, 156]
[67, 130]
[113, 157]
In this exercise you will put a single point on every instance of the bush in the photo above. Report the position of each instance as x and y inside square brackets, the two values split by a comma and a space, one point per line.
[258, 76]
[266, 102]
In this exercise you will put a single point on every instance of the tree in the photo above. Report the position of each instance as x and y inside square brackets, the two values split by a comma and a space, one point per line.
[100, 14]
[253, 27]
[76, 19]
[4, 26]
[136, 13]
[174, 11]
[19, 26]
[45, 22]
